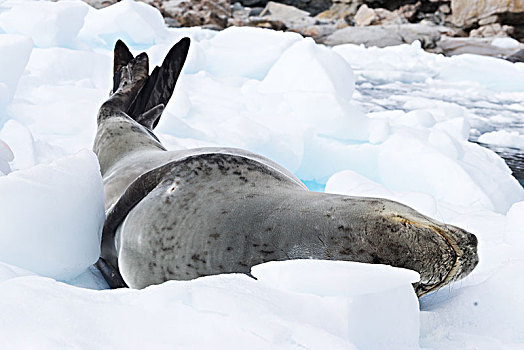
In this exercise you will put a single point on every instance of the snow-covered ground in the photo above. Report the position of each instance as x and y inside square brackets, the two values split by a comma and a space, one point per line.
[401, 134]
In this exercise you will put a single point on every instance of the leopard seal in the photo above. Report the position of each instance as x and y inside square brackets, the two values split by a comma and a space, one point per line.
[179, 215]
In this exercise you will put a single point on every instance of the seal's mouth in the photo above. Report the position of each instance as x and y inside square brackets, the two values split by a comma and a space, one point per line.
[463, 249]
[454, 272]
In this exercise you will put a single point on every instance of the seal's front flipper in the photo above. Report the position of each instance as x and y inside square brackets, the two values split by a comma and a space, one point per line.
[150, 117]
[160, 85]
[110, 274]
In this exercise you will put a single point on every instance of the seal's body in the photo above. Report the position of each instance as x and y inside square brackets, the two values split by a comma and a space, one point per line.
[191, 213]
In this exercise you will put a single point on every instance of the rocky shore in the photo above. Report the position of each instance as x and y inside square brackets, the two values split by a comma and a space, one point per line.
[491, 27]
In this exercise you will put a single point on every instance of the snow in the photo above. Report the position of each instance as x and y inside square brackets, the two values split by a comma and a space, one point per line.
[391, 123]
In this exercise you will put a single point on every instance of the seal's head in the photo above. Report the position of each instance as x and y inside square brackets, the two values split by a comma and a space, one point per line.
[440, 253]
[463, 255]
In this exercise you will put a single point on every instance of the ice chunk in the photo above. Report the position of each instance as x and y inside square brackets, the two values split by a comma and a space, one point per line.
[51, 216]
[379, 130]
[350, 183]
[368, 287]
[491, 72]
[9, 271]
[15, 54]
[442, 141]
[514, 228]
[419, 118]
[136, 23]
[503, 138]
[227, 311]
[6, 156]
[505, 43]
[247, 52]
[47, 23]
[22, 144]
[308, 67]
[403, 63]
[408, 164]
[456, 127]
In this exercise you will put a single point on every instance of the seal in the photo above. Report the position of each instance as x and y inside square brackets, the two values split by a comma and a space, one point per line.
[190, 213]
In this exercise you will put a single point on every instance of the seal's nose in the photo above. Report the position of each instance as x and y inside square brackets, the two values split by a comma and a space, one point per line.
[463, 236]
[473, 239]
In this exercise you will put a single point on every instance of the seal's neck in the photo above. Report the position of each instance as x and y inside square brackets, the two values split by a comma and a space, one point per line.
[120, 136]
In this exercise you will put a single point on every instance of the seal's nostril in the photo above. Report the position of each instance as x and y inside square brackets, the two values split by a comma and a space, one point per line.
[473, 239]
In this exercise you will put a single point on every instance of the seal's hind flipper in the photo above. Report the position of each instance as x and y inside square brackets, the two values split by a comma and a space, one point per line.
[110, 274]
[160, 85]
[132, 78]
[122, 57]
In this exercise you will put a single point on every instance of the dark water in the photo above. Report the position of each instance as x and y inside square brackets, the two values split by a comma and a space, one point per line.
[514, 158]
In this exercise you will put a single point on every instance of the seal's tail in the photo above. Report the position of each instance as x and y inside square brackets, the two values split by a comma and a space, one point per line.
[158, 88]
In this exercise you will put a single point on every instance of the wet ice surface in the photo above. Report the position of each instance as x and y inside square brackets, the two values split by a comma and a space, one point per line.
[487, 110]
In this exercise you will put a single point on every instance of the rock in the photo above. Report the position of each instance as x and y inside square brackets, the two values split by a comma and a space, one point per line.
[256, 11]
[477, 46]
[211, 14]
[237, 7]
[492, 30]
[319, 31]
[388, 4]
[445, 9]
[99, 4]
[266, 22]
[488, 20]
[313, 7]
[409, 12]
[277, 10]
[470, 15]
[292, 17]
[340, 10]
[386, 35]
[466, 13]
[366, 16]
[517, 56]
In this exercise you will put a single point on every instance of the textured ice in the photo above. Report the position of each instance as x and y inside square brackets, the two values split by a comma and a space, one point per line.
[48, 24]
[16, 50]
[21, 144]
[231, 51]
[497, 74]
[51, 216]
[514, 228]
[134, 22]
[233, 311]
[350, 183]
[367, 288]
